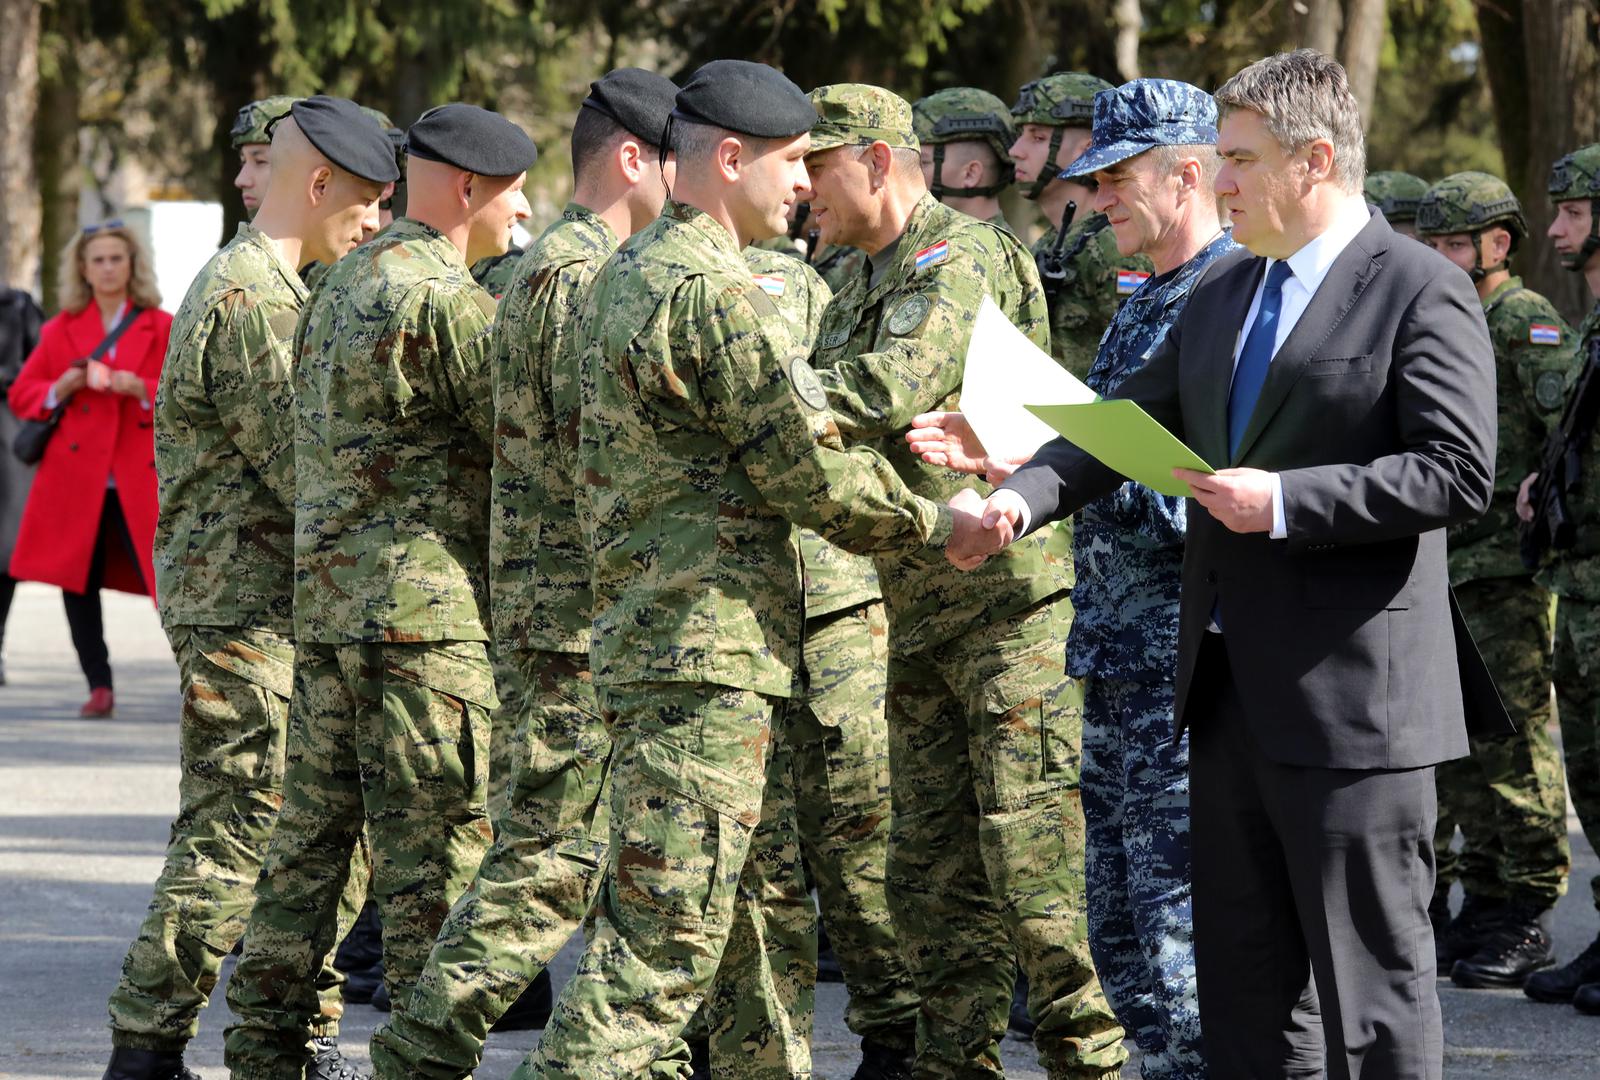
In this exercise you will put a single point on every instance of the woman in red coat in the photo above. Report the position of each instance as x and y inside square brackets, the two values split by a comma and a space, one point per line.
[91, 516]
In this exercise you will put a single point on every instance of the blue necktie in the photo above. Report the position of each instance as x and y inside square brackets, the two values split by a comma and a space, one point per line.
[1251, 372]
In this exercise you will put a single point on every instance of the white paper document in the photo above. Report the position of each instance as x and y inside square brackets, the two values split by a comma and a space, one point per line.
[1005, 371]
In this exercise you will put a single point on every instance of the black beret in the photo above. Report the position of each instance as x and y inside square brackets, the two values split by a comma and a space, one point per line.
[473, 139]
[749, 98]
[637, 99]
[347, 137]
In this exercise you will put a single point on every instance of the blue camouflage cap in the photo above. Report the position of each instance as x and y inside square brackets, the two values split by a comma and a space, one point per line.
[1143, 113]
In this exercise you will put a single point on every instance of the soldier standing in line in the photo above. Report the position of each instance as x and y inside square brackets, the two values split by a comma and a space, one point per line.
[225, 573]
[252, 141]
[1508, 796]
[704, 433]
[552, 828]
[985, 858]
[1396, 195]
[1573, 573]
[392, 691]
[966, 138]
[1085, 277]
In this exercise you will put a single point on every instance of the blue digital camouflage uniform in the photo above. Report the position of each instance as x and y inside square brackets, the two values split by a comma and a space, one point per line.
[1128, 552]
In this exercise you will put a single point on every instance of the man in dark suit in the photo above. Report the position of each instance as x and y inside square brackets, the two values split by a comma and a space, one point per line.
[1345, 379]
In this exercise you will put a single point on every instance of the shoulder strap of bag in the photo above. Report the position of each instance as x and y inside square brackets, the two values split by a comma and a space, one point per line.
[116, 331]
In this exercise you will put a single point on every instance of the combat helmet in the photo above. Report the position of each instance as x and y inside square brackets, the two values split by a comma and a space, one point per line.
[1060, 101]
[965, 114]
[1577, 176]
[1395, 194]
[250, 123]
[1471, 202]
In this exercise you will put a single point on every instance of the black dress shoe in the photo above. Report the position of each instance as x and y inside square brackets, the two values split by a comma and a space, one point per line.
[380, 998]
[1022, 1021]
[328, 1064]
[1587, 999]
[888, 1059]
[360, 987]
[1559, 985]
[128, 1064]
[531, 1011]
[1516, 949]
[1467, 932]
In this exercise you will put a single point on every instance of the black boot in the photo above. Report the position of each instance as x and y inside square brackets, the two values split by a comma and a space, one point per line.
[1519, 946]
[1587, 999]
[1559, 985]
[828, 969]
[888, 1057]
[1022, 1021]
[362, 947]
[1467, 932]
[531, 1011]
[328, 1064]
[128, 1064]
[380, 998]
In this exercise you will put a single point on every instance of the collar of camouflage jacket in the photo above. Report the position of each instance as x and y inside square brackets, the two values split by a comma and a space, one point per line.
[249, 234]
[916, 241]
[708, 226]
[1501, 291]
[579, 214]
[410, 230]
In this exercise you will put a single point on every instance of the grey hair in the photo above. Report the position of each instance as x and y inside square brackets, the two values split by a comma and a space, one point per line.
[1303, 96]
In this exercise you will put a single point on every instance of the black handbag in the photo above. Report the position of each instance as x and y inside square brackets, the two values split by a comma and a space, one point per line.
[34, 435]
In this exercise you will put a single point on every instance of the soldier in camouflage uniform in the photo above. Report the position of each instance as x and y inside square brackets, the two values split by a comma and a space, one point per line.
[552, 829]
[1573, 574]
[1396, 195]
[393, 688]
[840, 740]
[497, 273]
[1508, 796]
[251, 142]
[985, 858]
[1085, 277]
[703, 434]
[225, 574]
[966, 138]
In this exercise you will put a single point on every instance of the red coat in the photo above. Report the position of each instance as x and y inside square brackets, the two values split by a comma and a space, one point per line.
[101, 434]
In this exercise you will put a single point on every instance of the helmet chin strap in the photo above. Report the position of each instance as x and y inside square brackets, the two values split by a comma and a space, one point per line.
[1479, 271]
[1591, 243]
[1050, 169]
[939, 190]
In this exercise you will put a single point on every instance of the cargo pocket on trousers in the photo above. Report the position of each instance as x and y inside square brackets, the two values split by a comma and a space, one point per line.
[1032, 743]
[437, 700]
[682, 828]
[236, 711]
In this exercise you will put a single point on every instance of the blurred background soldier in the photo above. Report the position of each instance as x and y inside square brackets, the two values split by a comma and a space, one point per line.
[250, 138]
[966, 138]
[1396, 195]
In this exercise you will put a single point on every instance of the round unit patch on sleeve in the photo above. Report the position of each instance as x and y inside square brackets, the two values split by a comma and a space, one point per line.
[911, 313]
[1550, 390]
[806, 384]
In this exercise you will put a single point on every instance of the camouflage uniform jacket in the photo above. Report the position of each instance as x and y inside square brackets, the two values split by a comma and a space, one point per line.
[1536, 358]
[395, 419]
[1575, 572]
[833, 580]
[839, 265]
[538, 561]
[704, 434]
[496, 272]
[896, 350]
[1127, 547]
[1099, 278]
[225, 444]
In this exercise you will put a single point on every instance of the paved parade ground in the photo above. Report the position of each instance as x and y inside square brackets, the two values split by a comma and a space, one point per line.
[84, 810]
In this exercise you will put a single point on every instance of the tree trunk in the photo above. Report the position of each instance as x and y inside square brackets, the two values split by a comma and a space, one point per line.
[1363, 43]
[55, 153]
[1323, 21]
[1129, 21]
[19, 96]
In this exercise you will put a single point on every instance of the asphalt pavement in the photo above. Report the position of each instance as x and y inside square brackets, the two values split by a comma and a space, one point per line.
[84, 812]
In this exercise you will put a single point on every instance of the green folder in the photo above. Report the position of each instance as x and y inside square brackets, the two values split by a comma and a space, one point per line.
[1124, 437]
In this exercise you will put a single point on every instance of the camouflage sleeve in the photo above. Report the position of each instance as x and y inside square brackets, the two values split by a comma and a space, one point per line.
[248, 376]
[1544, 355]
[452, 353]
[764, 399]
[875, 394]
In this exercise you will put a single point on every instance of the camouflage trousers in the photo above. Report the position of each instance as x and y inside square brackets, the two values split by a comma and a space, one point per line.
[504, 726]
[841, 780]
[235, 684]
[986, 849]
[1577, 679]
[702, 899]
[1508, 797]
[393, 736]
[1141, 929]
[533, 888]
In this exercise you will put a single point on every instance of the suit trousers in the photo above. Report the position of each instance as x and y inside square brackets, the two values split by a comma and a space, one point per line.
[1313, 951]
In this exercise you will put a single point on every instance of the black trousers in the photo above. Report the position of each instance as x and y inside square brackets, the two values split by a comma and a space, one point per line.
[84, 616]
[1313, 950]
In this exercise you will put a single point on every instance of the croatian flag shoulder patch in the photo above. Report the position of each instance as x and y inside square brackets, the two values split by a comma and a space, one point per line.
[1128, 281]
[1544, 334]
[932, 256]
[771, 284]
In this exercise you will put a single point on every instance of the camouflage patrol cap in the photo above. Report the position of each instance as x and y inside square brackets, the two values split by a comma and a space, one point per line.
[1395, 194]
[964, 114]
[250, 123]
[1144, 113]
[1469, 202]
[1577, 175]
[1065, 99]
[856, 114]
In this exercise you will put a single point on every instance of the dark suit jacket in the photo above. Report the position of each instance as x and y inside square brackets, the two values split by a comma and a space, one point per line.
[1379, 414]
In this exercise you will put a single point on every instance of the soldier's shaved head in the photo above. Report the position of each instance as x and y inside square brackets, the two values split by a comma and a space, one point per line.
[315, 209]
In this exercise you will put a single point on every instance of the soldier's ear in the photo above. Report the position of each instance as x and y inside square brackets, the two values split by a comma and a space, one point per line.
[318, 183]
[630, 159]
